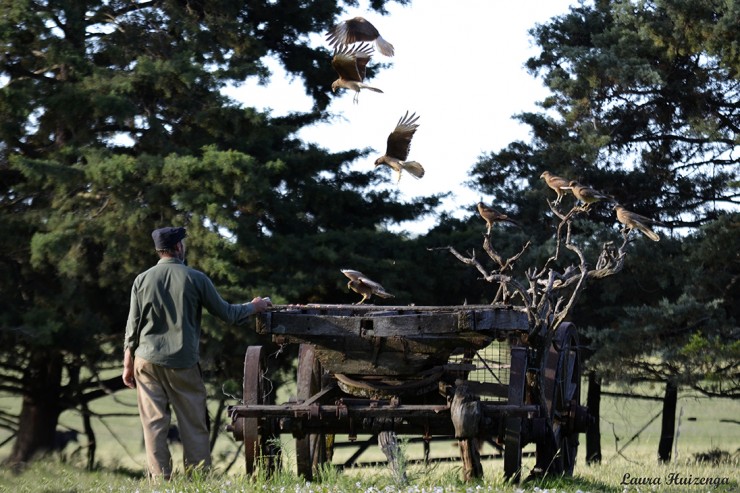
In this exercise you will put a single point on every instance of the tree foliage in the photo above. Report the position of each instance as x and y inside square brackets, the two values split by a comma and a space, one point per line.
[644, 106]
[114, 123]
[689, 337]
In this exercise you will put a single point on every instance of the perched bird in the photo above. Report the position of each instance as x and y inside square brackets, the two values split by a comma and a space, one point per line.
[559, 184]
[585, 194]
[357, 30]
[398, 147]
[632, 220]
[350, 64]
[491, 216]
[360, 284]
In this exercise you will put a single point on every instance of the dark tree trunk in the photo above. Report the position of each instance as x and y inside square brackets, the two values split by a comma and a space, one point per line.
[90, 434]
[40, 409]
[216, 425]
[593, 434]
[668, 425]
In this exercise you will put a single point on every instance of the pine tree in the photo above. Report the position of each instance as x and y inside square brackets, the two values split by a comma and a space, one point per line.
[113, 124]
[643, 107]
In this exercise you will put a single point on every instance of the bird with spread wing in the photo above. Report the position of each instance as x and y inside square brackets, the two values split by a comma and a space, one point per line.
[398, 147]
[492, 216]
[632, 220]
[357, 30]
[361, 284]
[350, 63]
[557, 183]
[587, 195]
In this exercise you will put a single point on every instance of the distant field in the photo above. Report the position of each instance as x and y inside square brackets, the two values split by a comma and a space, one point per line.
[704, 425]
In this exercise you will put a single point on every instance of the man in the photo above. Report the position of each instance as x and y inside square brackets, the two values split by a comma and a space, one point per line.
[161, 351]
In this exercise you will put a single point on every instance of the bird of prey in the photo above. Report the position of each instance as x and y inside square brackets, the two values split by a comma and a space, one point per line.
[361, 284]
[559, 184]
[491, 216]
[398, 147]
[585, 194]
[357, 30]
[350, 64]
[632, 220]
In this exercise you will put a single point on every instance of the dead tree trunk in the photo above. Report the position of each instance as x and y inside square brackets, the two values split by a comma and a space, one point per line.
[388, 442]
[593, 434]
[668, 425]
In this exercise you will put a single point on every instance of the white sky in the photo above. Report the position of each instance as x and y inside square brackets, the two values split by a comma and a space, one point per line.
[459, 65]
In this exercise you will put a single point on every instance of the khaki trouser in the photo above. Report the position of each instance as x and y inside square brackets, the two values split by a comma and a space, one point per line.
[157, 388]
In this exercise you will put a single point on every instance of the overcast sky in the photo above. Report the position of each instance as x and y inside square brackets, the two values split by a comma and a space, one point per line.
[459, 65]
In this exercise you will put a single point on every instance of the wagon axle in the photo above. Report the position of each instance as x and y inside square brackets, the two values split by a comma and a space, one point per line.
[365, 415]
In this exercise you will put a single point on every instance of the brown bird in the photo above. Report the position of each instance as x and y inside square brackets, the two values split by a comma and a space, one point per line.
[398, 147]
[356, 30]
[632, 220]
[559, 184]
[361, 284]
[350, 64]
[491, 216]
[585, 194]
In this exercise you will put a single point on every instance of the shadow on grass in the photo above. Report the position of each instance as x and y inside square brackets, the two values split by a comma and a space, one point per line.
[574, 483]
[128, 473]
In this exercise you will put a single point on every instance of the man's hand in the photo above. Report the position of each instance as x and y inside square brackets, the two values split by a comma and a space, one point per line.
[261, 304]
[128, 370]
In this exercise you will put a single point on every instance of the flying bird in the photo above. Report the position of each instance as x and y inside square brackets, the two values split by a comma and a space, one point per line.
[585, 194]
[361, 284]
[632, 220]
[559, 184]
[357, 30]
[492, 216]
[398, 147]
[350, 64]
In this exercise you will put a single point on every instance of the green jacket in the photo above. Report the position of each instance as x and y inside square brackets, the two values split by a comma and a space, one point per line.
[167, 302]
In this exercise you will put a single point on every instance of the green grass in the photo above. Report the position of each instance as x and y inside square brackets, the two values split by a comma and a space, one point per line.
[52, 476]
[705, 424]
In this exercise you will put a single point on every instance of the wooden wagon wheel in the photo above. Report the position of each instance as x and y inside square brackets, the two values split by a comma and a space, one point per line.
[260, 444]
[561, 389]
[312, 449]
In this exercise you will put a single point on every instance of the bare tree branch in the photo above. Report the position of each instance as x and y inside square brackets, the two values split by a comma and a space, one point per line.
[551, 294]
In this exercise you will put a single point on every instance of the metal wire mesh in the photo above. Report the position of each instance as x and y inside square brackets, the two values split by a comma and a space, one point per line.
[492, 364]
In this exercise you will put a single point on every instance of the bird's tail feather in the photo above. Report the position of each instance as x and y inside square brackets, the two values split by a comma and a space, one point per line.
[648, 232]
[383, 294]
[384, 46]
[365, 86]
[416, 169]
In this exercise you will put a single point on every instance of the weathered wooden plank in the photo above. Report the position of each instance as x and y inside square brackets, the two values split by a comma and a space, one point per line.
[337, 309]
[314, 325]
[389, 323]
[412, 324]
[400, 345]
[493, 320]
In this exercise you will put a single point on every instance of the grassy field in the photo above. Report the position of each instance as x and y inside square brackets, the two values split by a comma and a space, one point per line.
[629, 444]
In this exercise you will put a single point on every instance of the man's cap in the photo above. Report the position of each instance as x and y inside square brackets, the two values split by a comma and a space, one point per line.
[167, 238]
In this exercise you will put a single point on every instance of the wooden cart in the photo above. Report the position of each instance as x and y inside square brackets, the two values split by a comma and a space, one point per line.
[476, 373]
